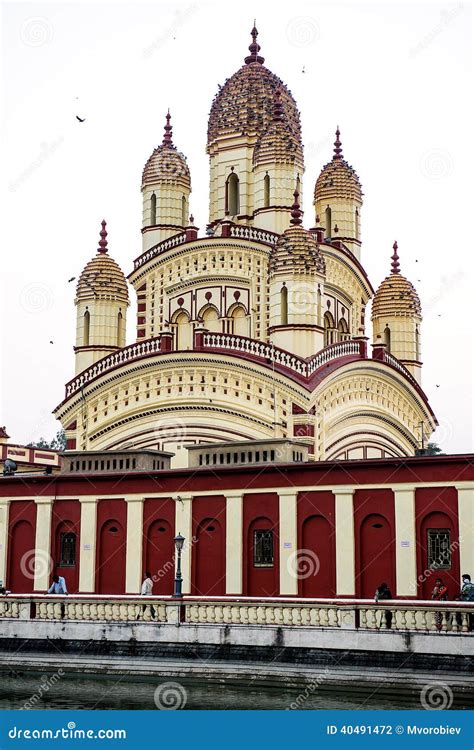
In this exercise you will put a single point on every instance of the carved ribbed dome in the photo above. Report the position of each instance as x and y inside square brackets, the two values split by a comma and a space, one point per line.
[278, 144]
[338, 179]
[396, 296]
[296, 250]
[244, 104]
[166, 165]
[102, 278]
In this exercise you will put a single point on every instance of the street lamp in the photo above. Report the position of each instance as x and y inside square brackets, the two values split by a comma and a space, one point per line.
[178, 581]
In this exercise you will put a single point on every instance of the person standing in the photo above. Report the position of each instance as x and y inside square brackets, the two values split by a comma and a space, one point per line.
[467, 595]
[440, 593]
[147, 590]
[383, 592]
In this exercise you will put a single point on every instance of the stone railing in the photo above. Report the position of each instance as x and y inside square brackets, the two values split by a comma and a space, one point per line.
[364, 614]
[161, 247]
[253, 233]
[389, 359]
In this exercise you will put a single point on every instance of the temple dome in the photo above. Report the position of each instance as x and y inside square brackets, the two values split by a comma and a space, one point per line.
[278, 144]
[396, 296]
[167, 165]
[297, 250]
[337, 178]
[102, 278]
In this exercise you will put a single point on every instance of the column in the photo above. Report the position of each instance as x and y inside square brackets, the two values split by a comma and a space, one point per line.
[345, 550]
[4, 508]
[43, 560]
[234, 544]
[87, 562]
[466, 528]
[405, 542]
[288, 543]
[133, 571]
[183, 526]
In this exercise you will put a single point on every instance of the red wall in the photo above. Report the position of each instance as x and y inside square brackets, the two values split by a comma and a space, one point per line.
[66, 517]
[261, 511]
[437, 508]
[111, 546]
[208, 551]
[21, 546]
[317, 543]
[374, 547]
[158, 543]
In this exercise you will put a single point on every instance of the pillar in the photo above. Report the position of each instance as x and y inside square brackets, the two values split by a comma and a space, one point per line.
[466, 528]
[87, 555]
[405, 542]
[345, 548]
[133, 569]
[4, 509]
[288, 543]
[234, 544]
[43, 560]
[183, 526]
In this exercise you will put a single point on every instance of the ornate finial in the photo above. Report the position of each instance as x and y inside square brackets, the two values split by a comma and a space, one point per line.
[395, 263]
[103, 239]
[254, 49]
[191, 220]
[337, 145]
[277, 107]
[296, 212]
[167, 138]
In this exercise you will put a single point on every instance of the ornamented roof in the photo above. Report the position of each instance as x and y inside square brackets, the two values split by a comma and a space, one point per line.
[102, 278]
[296, 250]
[166, 165]
[244, 105]
[338, 179]
[396, 296]
[278, 144]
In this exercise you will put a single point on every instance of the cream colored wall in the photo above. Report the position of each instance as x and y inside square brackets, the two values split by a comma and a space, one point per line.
[43, 561]
[288, 543]
[345, 283]
[405, 542]
[134, 549]
[103, 330]
[342, 214]
[4, 511]
[234, 543]
[345, 549]
[466, 528]
[183, 526]
[402, 340]
[169, 211]
[87, 552]
[231, 152]
[303, 309]
[282, 186]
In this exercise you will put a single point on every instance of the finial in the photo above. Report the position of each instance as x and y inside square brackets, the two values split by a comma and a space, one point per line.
[254, 49]
[191, 220]
[395, 263]
[296, 212]
[103, 238]
[277, 107]
[167, 138]
[337, 145]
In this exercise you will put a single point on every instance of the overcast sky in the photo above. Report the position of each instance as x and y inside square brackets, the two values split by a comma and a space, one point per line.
[395, 77]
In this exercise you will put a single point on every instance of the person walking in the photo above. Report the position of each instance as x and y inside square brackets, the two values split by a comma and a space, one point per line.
[58, 586]
[440, 593]
[383, 592]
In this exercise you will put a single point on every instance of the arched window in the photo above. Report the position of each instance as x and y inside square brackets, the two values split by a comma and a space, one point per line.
[330, 331]
[120, 329]
[343, 330]
[357, 226]
[266, 190]
[232, 195]
[387, 337]
[87, 326]
[210, 319]
[153, 210]
[184, 212]
[240, 321]
[184, 332]
[319, 303]
[284, 305]
[417, 343]
[328, 222]
[298, 183]
[68, 549]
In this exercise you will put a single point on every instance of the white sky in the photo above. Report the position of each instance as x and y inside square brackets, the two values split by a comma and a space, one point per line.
[395, 77]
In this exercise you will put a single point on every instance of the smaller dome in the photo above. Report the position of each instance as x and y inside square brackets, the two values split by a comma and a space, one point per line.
[396, 296]
[102, 278]
[296, 250]
[278, 144]
[338, 179]
[166, 165]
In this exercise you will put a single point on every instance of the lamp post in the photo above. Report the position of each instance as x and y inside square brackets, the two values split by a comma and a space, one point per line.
[178, 581]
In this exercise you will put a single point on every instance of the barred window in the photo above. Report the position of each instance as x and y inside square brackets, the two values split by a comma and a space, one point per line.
[263, 548]
[439, 549]
[68, 549]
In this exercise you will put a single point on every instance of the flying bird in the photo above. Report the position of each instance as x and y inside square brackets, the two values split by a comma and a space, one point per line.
[81, 119]
[437, 386]
[51, 342]
[73, 278]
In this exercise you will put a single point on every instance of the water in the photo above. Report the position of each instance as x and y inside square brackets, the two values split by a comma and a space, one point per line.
[119, 692]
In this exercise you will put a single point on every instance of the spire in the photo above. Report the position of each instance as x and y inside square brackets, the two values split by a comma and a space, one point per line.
[167, 138]
[277, 107]
[254, 49]
[103, 239]
[337, 145]
[296, 212]
[395, 263]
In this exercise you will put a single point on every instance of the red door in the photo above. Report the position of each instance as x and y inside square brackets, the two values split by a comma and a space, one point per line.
[376, 556]
[438, 535]
[111, 557]
[262, 559]
[316, 559]
[159, 556]
[208, 559]
[66, 553]
[22, 558]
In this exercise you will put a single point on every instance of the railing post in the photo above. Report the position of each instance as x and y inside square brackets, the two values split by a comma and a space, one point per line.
[378, 351]
[199, 334]
[166, 341]
[26, 610]
[362, 341]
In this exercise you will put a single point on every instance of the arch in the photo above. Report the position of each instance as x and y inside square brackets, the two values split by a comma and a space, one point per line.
[120, 340]
[330, 330]
[387, 337]
[184, 211]
[209, 559]
[262, 577]
[111, 558]
[210, 318]
[87, 327]
[357, 224]
[298, 184]
[153, 209]
[343, 330]
[239, 320]
[21, 569]
[318, 558]
[328, 216]
[232, 195]
[159, 556]
[417, 343]
[183, 331]
[375, 555]
[284, 305]
[438, 532]
[66, 553]
[266, 190]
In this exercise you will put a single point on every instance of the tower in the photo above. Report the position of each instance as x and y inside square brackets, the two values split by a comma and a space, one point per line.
[166, 187]
[396, 318]
[101, 307]
[338, 200]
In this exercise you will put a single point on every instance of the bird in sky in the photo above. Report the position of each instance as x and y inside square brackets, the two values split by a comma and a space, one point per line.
[73, 278]
[51, 342]
[81, 119]
[437, 386]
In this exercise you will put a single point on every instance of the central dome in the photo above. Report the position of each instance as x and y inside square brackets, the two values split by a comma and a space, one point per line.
[245, 103]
